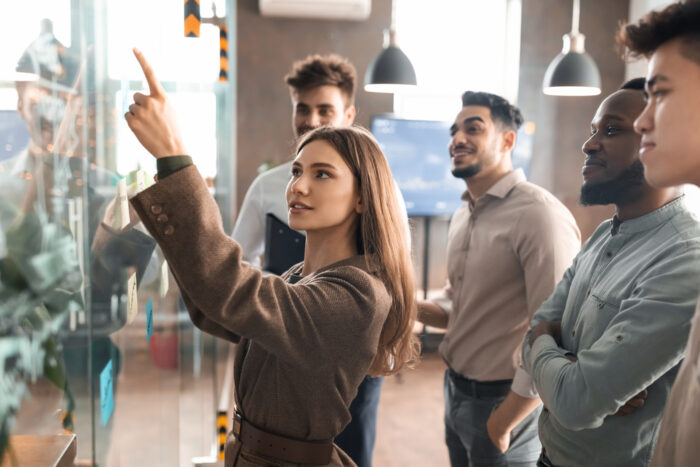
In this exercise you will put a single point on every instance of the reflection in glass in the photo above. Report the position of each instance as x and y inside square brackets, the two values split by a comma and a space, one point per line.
[52, 209]
[65, 263]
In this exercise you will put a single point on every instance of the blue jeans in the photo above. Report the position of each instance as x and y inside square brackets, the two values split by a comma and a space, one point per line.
[467, 440]
[357, 439]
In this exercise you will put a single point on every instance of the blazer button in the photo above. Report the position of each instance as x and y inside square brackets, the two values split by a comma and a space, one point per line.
[162, 218]
[169, 229]
[156, 208]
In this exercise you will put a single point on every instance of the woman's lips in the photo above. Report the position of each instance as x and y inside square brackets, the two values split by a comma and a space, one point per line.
[297, 208]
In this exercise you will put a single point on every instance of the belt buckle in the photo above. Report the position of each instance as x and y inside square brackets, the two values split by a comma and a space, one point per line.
[237, 420]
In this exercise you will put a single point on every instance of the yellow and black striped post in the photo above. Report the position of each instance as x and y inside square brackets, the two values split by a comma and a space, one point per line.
[193, 18]
[223, 53]
[222, 429]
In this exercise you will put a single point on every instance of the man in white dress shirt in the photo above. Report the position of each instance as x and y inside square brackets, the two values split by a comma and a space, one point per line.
[322, 89]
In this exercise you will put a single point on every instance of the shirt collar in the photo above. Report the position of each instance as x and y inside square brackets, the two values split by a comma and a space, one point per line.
[648, 221]
[502, 187]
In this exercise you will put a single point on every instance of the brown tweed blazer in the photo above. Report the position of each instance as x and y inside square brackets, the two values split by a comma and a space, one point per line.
[304, 348]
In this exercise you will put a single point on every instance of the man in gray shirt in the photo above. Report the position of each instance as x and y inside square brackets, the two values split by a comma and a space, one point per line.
[604, 349]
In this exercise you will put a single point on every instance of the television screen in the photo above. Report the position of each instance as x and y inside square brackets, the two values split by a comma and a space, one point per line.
[417, 154]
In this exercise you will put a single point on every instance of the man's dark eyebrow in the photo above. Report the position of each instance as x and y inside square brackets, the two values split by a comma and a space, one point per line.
[612, 117]
[466, 121]
[471, 119]
[607, 117]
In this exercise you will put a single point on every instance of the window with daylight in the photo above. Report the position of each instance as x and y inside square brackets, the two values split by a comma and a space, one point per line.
[457, 45]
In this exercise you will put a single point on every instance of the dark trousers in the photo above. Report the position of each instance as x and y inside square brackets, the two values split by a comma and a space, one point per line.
[357, 439]
[544, 461]
[468, 441]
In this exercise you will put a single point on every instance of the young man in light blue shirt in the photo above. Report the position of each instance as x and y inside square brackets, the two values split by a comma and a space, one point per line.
[670, 39]
[604, 349]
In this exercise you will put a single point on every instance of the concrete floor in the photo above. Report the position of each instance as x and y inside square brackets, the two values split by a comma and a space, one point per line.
[410, 430]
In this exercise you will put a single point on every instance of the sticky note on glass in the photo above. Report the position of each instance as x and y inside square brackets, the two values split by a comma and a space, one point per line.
[121, 208]
[140, 181]
[149, 320]
[106, 393]
[132, 300]
[164, 279]
[123, 203]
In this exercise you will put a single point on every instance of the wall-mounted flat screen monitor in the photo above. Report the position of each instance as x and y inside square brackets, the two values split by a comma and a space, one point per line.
[417, 154]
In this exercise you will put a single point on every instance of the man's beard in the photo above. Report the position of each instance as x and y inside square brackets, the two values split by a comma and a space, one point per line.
[466, 172]
[617, 191]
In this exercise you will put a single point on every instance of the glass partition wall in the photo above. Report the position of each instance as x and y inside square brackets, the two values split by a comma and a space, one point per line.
[94, 339]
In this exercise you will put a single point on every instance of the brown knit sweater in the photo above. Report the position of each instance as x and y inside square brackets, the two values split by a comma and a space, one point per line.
[304, 347]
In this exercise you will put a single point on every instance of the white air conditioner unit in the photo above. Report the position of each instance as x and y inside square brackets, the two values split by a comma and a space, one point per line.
[320, 9]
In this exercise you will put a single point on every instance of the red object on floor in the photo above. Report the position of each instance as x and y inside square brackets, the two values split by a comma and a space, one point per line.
[164, 350]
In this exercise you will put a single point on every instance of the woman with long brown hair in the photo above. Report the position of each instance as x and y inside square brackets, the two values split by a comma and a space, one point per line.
[307, 338]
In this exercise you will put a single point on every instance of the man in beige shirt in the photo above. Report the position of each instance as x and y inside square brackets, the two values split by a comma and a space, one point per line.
[670, 152]
[508, 246]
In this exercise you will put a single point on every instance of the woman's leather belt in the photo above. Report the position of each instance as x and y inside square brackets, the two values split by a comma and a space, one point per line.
[280, 447]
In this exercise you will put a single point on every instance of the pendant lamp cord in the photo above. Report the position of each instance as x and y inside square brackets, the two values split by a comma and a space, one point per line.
[575, 16]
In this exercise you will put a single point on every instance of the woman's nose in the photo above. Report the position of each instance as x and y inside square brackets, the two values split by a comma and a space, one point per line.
[299, 185]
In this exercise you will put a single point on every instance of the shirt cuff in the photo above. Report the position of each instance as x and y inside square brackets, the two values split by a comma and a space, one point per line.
[544, 344]
[443, 302]
[171, 164]
[523, 384]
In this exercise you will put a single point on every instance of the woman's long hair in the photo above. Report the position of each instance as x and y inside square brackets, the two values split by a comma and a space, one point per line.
[382, 238]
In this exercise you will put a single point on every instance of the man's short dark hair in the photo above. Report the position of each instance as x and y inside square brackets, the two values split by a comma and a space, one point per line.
[677, 21]
[323, 70]
[636, 84]
[502, 111]
[51, 62]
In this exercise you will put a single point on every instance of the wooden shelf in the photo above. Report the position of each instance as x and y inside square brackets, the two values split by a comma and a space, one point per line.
[42, 450]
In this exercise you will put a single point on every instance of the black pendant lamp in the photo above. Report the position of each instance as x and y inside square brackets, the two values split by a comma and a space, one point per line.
[573, 72]
[391, 71]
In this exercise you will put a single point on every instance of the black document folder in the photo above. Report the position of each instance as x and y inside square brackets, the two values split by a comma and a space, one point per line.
[284, 247]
